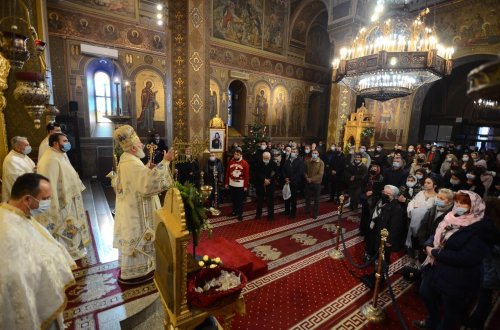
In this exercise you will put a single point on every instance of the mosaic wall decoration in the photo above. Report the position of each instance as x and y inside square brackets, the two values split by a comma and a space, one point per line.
[150, 103]
[128, 9]
[275, 25]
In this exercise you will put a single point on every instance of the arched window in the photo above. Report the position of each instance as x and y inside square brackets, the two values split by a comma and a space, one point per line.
[229, 108]
[102, 94]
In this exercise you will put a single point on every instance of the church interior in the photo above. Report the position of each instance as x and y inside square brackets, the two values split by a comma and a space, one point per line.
[211, 75]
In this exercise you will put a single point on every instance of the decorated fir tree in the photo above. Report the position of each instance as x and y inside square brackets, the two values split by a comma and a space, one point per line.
[256, 134]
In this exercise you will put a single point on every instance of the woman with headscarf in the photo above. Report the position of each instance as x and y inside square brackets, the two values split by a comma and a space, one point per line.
[452, 270]
[446, 165]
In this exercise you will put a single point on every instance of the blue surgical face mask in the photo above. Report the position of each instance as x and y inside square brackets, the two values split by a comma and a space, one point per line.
[314, 156]
[395, 164]
[27, 150]
[43, 206]
[266, 161]
[293, 155]
[411, 184]
[66, 147]
[419, 176]
[439, 202]
[461, 210]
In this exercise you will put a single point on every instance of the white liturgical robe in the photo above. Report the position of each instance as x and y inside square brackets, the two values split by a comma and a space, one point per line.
[15, 164]
[35, 273]
[66, 219]
[44, 146]
[137, 188]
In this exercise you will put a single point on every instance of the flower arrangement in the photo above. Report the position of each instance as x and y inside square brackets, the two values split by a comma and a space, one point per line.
[368, 132]
[207, 262]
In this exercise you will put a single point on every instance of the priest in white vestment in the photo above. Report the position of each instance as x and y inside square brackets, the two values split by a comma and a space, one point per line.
[137, 187]
[66, 219]
[36, 268]
[44, 145]
[16, 163]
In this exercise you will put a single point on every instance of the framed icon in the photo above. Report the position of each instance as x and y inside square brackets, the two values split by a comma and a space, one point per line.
[217, 140]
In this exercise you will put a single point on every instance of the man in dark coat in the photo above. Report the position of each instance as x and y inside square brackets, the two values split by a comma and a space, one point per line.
[335, 166]
[189, 169]
[355, 174]
[293, 173]
[396, 175]
[266, 174]
[160, 147]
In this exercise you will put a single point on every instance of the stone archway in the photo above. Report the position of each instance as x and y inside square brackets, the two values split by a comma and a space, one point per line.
[237, 96]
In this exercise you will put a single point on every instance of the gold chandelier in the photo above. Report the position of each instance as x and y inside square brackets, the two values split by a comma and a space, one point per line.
[393, 56]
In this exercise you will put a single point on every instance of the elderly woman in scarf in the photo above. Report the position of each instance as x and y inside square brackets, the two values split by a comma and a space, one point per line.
[452, 273]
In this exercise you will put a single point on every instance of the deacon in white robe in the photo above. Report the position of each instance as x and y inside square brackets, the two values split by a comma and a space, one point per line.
[16, 163]
[37, 269]
[66, 219]
[137, 187]
[44, 145]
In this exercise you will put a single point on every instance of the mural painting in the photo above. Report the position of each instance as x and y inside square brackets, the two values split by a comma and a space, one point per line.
[279, 113]
[214, 106]
[476, 24]
[238, 21]
[275, 22]
[150, 96]
[262, 96]
[391, 119]
[318, 47]
[298, 119]
[121, 8]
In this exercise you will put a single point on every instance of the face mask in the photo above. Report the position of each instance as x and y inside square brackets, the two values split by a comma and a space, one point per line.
[433, 149]
[287, 153]
[419, 176]
[454, 182]
[43, 206]
[351, 152]
[333, 148]
[410, 184]
[427, 146]
[442, 151]
[277, 159]
[27, 150]
[439, 202]
[263, 147]
[357, 162]
[66, 147]
[307, 151]
[373, 172]
[448, 159]
[470, 176]
[266, 161]
[362, 150]
[157, 140]
[212, 158]
[395, 164]
[385, 199]
[314, 156]
[461, 210]
[293, 155]
[398, 148]
[465, 159]
[411, 149]
[188, 156]
[379, 149]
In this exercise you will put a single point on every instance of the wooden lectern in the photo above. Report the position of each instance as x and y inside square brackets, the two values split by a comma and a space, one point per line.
[172, 238]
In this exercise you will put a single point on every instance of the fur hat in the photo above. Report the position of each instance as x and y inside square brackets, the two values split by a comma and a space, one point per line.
[126, 137]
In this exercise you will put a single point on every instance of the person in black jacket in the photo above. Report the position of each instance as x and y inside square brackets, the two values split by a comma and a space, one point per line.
[396, 175]
[160, 147]
[293, 174]
[265, 182]
[336, 167]
[452, 270]
[386, 215]
[371, 191]
[379, 156]
[214, 166]
[189, 169]
[355, 174]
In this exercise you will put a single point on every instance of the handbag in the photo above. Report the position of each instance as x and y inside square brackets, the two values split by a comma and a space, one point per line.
[287, 193]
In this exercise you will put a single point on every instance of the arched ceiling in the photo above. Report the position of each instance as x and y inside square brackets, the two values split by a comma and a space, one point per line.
[304, 13]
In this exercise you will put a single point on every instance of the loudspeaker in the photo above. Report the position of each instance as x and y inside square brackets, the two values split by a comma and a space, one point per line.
[73, 106]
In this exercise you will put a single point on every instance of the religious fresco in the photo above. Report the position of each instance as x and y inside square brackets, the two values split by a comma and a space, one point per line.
[318, 47]
[238, 21]
[474, 23]
[150, 103]
[298, 118]
[214, 101]
[262, 97]
[279, 112]
[120, 8]
[275, 22]
[391, 119]
[304, 19]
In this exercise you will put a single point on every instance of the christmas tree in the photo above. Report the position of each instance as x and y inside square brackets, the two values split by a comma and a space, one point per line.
[256, 134]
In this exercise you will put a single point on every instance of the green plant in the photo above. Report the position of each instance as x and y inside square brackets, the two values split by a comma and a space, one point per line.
[368, 132]
[196, 215]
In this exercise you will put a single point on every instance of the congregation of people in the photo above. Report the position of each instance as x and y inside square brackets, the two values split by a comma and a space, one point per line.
[439, 202]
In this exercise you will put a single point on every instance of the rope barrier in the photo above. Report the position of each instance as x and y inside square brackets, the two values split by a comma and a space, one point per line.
[393, 297]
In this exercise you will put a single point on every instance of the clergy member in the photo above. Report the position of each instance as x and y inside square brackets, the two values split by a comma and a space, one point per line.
[44, 145]
[15, 164]
[137, 187]
[39, 269]
[66, 219]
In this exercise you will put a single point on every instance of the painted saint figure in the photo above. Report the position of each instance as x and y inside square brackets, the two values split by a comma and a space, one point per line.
[148, 105]
[261, 105]
[279, 113]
